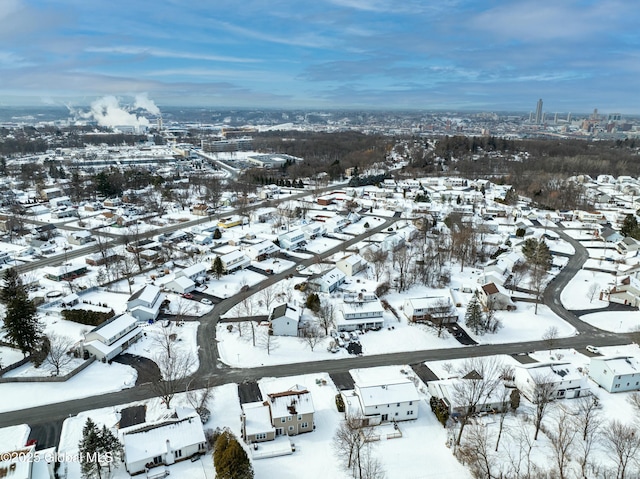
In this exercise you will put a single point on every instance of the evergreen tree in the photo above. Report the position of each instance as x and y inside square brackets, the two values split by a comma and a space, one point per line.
[217, 234]
[230, 459]
[473, 317]
[218, 267]
[630, 227]
[20, 321]
[98, 448]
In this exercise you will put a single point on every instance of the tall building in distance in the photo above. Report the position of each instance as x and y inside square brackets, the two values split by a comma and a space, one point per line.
[539, 112]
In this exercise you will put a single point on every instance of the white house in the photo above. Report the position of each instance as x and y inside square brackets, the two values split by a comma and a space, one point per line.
[351, 264]
[144, 304]
[80, 237]
[362, 312]
[498, 397]
[256, 422]
[434, 309]
[616, 373]
[336, 224]
[494, 296]
[261, 251]
[181, 285]
[292, 240]
[382, 402]
[195, 272]
[112, 337]
[567, 381]
[314, 230]
[162, 443]
[234, 261]
[285, 320]
[330, 281]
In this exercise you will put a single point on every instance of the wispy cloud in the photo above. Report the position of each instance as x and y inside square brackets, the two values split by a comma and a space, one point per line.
[155, 52]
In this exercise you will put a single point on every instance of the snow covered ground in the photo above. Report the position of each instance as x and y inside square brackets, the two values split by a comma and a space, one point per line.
[576, 294]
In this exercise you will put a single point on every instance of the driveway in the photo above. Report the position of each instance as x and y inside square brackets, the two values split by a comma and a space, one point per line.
[147, 370]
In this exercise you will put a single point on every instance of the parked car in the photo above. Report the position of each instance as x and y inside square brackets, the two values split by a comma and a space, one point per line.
[300, 267]
[187, 296]
[592, 349]
[206, 301]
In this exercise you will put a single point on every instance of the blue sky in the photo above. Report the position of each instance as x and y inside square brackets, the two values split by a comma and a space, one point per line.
[499, 55]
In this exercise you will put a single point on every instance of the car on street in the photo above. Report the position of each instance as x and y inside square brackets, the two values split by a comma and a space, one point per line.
[300, 267]
[187, 296]
[206, 301]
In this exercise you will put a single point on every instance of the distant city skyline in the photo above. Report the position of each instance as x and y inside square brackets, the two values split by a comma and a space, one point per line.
[501, 55]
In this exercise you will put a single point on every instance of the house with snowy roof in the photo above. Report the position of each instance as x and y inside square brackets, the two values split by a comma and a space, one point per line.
[291, 410]
[330, 281]
[234, 260]
[616, 373]
[284, 320]
[195, 272]
[496, 398]
[165, 442]
[112, 337]
[360, 312]
[144, 304]
[564, 379]
[180, 285]
[256, 424]
[494, 296]
[379, 402]
[351, 264]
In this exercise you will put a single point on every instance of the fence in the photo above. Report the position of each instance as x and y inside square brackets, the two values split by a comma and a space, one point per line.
[43, 379]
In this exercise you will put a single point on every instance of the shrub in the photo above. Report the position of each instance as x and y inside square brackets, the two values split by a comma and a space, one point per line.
[439, 409]
[339, 402]
[85, 316]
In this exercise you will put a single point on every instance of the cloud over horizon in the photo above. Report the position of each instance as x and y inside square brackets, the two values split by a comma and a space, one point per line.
[460, 54]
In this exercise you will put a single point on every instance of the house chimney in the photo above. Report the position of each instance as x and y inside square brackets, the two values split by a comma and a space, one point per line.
[170, 458]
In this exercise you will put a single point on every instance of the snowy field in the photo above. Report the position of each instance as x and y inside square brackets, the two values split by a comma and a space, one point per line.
[616, 322]
[576, 295]
[97, 379]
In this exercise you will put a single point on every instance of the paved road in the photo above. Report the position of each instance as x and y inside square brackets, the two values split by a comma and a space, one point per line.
[213, 372]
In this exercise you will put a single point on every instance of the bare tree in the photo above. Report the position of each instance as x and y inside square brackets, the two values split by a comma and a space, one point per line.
[634, 400]
[267, 340]
[402, 259]
[519, 452]
[543, 393]
[550, 336]
[588, 421]
[311, 335]
[59, 352]
[326, 316]
[505, 397]
[477, 453]
[593, 290]
[198, 399]
[478, 380]
[561, 437]
[377, 257]
[268, 296]
[623, 442]
[518, 273]
[350, 441]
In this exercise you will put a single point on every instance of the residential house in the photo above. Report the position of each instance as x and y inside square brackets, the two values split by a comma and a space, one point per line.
[66, 272]
[434, 309]
[44, 232]
[64, 212]
[105, 257]
[351, 264]
[201, 210]
[292, 411]
[494, 296]
[392, 242]
[48, 194]
[566, 380]
[60, 201]
[626, 292]
[497, 398]
[181, 285]
[362, 312]
[284, 320]
[257, 425]
[292, 240]
[233, 261]
[165, 442]
[336, 224]
[232, 221]
[196, 272]
[80, 238]
[24, 462]
[144, 304]
[376, 403]
[628, 246]
[112, 337]
[262, 250]
[616, 373]
[314, 230]
[330, 281]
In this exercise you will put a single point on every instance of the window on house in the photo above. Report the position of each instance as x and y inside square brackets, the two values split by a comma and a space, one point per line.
[261, 436]
[396, 414]
[178, 453]
[157, 460]
[283, 419]
[398, 405]
[410, 403]
[290, 428]
[304, 425]
[299, 418]
[616, 386]
[410, 413]
[289, 418]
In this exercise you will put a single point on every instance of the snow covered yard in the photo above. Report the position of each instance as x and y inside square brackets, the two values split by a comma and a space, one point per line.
[576, 295]
[98, 378]
[616, 322]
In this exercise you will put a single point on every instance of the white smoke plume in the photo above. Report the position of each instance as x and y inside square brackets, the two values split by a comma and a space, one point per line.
[108, 111]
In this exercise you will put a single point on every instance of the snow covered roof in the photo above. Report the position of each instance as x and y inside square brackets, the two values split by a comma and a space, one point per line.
[620, 365]
[107, 349]
[114, 326]
[295, 400]
[151, 440]
[382, 394]
[257, 418]
[147, 294]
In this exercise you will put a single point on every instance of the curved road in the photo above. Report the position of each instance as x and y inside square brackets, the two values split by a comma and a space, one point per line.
[212, 372]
